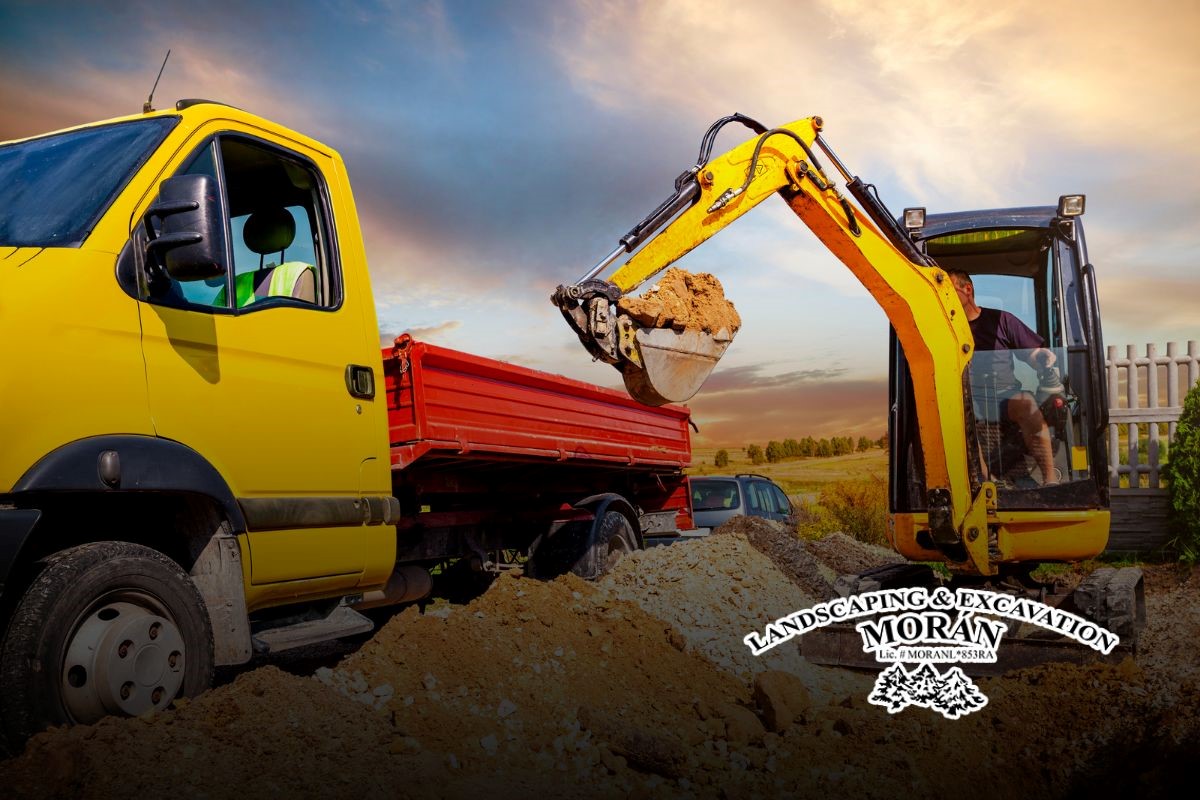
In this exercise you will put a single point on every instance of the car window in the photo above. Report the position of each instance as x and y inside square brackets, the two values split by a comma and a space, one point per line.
[766, 500]
[783, 505]
[755, 499]
[714, 495]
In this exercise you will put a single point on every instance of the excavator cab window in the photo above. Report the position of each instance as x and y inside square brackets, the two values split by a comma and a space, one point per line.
[1032, 423]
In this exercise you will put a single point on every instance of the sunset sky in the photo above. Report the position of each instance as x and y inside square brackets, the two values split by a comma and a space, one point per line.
[499, 149]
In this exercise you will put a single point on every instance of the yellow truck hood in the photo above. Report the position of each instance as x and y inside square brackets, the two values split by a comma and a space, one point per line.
[13, 257]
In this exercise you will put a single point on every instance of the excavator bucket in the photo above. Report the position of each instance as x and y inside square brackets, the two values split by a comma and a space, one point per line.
[674, 364]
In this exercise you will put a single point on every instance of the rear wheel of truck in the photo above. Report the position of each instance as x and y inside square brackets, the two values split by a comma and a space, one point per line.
[614, 540]
[107, 628]
[589, 548]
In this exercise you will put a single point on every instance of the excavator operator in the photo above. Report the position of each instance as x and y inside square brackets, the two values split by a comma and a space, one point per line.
[999, 336]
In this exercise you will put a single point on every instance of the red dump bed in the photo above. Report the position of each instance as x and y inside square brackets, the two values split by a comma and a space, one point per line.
[444, 402]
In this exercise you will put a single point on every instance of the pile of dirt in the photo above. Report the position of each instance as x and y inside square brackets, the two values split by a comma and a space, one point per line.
[713, 591]
[266, 735]
[638, 684]
[683, 300]
[846, 555]
[1172, 611]
[789, 554]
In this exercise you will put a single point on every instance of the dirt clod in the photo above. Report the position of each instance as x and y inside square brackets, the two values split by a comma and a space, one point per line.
[683, 300]
[783, 699]
[742, 726]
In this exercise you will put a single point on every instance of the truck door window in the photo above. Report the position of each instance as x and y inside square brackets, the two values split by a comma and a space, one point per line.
[278, 221]
[282, 250]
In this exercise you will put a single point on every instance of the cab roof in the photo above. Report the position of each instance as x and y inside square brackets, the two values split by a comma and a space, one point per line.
[962, 221]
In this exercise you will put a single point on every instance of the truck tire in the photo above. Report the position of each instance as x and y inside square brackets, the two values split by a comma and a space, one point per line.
[107, 628]
[588, 548]
[614, 539]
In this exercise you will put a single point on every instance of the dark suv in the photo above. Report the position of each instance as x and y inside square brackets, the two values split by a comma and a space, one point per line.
[718, 498]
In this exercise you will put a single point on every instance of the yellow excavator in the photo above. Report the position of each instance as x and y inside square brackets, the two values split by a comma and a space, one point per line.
[964, 491]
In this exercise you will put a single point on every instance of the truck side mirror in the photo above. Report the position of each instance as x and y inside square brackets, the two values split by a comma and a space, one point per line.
[190, 244]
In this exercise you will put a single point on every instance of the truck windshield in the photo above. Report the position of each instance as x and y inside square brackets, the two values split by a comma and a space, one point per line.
[54, 189]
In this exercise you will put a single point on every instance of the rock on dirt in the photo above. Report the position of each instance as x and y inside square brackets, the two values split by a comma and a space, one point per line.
[683, 300]
[713, 591]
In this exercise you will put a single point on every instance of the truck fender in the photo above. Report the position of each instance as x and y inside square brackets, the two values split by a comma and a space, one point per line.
[601, 504]
[131, 463]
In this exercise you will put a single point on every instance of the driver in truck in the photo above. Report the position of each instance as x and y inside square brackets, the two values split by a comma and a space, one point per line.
[996, 333]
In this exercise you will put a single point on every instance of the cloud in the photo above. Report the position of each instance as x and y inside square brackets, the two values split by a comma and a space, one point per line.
[434, 331]
[78, 90]
[819, 408]
[953, 100]
[1129, 306]
[755, 378]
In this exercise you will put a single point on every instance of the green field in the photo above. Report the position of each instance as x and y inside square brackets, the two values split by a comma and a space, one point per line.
[799, 477]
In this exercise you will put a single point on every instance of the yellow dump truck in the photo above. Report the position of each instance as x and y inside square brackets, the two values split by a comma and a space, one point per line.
[206, 452]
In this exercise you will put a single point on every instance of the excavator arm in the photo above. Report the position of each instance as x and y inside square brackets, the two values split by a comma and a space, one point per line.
[917, 296]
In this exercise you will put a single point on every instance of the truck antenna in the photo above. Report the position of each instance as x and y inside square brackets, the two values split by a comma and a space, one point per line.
[148, 106]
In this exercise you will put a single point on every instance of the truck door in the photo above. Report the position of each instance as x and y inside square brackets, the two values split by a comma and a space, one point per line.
[251, 369]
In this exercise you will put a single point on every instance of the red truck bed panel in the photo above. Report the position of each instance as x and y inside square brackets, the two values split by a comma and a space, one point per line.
[447, 402]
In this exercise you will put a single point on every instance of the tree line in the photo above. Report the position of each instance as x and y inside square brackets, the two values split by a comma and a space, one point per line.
[808, 447]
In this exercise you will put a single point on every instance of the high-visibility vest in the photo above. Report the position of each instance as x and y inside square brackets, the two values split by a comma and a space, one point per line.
[283, 281]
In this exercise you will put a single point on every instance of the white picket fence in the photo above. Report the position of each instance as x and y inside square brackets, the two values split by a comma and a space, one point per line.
[1138, 407]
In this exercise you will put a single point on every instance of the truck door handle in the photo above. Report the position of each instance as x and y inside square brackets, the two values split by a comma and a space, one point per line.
[360, 381]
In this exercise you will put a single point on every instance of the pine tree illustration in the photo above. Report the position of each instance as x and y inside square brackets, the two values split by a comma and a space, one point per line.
[925, 684]
[959, 695]
[891, 689]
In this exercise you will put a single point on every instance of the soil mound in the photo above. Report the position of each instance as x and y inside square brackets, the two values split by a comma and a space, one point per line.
[714, 591]
[846, 555]
[787, 552]
[683, 300]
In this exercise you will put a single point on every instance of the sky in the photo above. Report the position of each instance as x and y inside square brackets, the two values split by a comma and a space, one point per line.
[498, 149]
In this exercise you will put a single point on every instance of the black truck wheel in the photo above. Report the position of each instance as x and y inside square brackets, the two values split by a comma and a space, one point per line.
[107, 628]
[588, 549]
[614, 539]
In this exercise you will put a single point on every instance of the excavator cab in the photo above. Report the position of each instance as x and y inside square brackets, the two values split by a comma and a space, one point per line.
[1032, 263]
